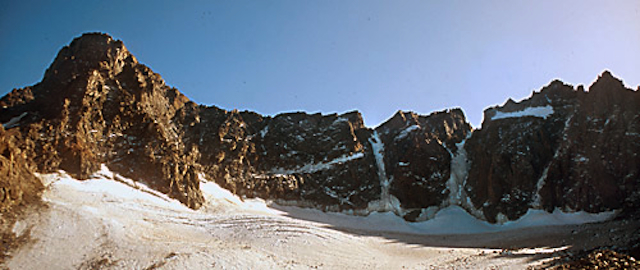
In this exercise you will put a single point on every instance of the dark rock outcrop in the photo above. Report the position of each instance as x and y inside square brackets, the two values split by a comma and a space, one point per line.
[597, 167]
[417, 156]
[561, 148]
[295, 158]
[508, 156]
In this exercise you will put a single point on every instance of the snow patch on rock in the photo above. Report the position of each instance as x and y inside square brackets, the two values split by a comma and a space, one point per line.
[340, 120]
[541, 112]
[264, 131]
[404, 133]
[13, 122]
[315, 167]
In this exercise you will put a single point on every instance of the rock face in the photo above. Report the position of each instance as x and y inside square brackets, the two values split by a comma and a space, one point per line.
[417, 157]
[597, 167]
[511, 151]
[18, 184]
[296, 158]
[561, 148]
[98, 105]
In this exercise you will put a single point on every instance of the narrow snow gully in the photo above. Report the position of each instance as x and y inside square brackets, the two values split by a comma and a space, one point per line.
[458, 176]
[385, 204]
[537, 200]
[457, 180]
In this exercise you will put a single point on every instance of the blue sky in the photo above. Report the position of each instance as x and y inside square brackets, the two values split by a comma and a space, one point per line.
[335, 56]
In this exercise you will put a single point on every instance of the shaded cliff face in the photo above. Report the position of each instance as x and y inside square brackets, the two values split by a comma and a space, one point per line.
[329, 155]
[597, 167]
[561, 148]
[417, 156]
[310, 160]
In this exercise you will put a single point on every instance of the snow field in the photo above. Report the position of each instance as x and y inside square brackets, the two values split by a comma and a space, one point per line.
[117, 223]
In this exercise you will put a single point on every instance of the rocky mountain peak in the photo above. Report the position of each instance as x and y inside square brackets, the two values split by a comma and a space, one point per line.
[553, 149]
[608, 93]
[355, 117]
[400, 120]
[90, 52]
[606, 82]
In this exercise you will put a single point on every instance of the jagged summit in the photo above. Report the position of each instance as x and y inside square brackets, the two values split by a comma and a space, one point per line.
[96, 105]
[90, 51]
[90, 67]
[606, 77]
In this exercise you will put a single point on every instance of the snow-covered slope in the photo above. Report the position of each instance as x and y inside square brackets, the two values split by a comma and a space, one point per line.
[114, 222]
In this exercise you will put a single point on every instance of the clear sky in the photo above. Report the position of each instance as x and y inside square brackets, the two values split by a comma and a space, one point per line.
[334, 56]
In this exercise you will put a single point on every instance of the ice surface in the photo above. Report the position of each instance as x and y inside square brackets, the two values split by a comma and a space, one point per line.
[102, 194]
[449, 220]
[452, 219]
[536, 217]
[542, 112]
[118, 222]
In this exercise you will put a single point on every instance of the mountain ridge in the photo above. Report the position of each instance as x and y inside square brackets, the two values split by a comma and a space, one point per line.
[98, 105]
